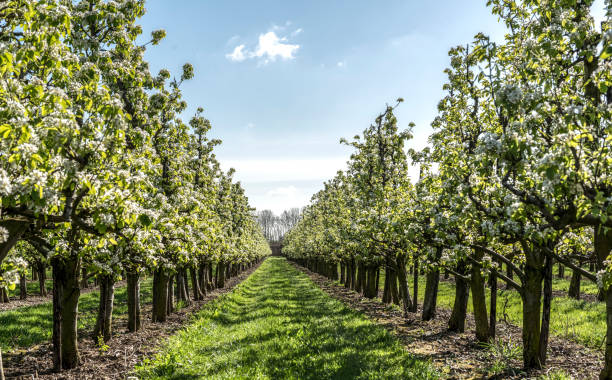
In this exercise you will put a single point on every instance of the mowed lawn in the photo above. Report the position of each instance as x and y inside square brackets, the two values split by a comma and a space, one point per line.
[279, 325]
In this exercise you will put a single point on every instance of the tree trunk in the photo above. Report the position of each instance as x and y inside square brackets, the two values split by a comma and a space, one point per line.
[104, 321]
[23, 286]
[4, 298]
[462, 292]
[370, 290]
[386, 298]
[84, 284]
[415, 285]
[197, 292]
[561, 273]
[221, 275]
[359, 286]
[133, 301]
[171, 294]
[403, 284]
[342, 278]
[532, 303]
[574, 288]
[210, 284]
[42, 279]
[377, 286]
[66, 292]
[431, 289]
[546, 303]
[603, 246]
[492, 305]
[160, 295]
[510, 275]
[479, 303]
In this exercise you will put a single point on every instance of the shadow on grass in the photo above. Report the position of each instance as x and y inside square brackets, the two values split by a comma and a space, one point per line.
[279, 325]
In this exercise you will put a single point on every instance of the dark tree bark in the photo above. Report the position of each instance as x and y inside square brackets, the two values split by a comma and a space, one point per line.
[195, 282]
[574, 288]
[23, 287]
[546, 304]
[532, 303]
[66, 292]
[386, 298]
[133, 301]
[561, 273]
[221, 274]
[462, 292]
[415, 285]
[171, 294]
[431, 289]
[603, 246]
[160, 295]
[493, 305]
[84, 284]
[42, 278]
[342, 278]
[479, 303]
[104, 320]
[403, 283]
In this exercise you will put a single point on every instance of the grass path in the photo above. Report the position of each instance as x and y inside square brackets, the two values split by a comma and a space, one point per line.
[279, 325]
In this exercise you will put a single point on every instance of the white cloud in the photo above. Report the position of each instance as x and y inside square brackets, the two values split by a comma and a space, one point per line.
[250, 125]
[269, 48]
[341, 64]
[237, 55]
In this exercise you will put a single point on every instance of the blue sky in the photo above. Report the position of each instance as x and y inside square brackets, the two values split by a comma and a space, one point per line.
[283, 81]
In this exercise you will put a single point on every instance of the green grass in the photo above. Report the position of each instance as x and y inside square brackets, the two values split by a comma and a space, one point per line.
[581, 321]
[279, 325]
[27, 326]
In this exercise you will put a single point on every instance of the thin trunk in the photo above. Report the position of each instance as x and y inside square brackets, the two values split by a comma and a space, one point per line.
[386, 298]
[462, 292]
[104, 321]
[561, 273]
[221, 275]
[431, 289]
[66, 292]
[171, 294]
[546, 303]
[603, 246]
[403, 284]
[342, 278]
[377, 286]
[479, 303]
[195, 282]
[84, 284]
[160, 295]
[133, 301]
[23, 286]
[42, 278]
[415, 285]
[493, 305]
[532, 303]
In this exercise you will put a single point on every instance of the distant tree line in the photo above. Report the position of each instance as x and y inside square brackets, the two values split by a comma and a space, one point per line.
[275, 227]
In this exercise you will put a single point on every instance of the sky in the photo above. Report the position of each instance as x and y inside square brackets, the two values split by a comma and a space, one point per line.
[282, 81]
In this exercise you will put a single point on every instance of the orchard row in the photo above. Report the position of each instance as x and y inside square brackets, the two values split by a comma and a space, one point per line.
[517, 175]
[99, 176]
